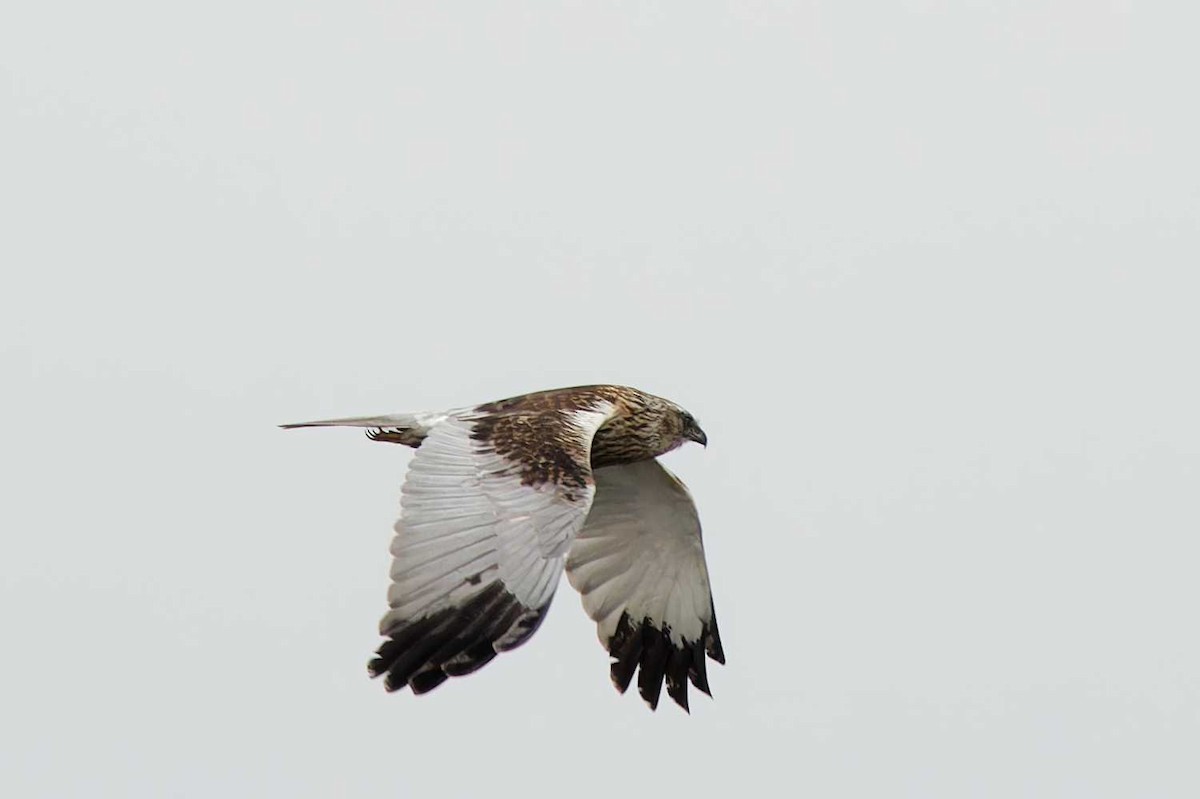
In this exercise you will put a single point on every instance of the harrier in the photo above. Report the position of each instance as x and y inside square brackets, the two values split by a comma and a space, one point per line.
[500, 497]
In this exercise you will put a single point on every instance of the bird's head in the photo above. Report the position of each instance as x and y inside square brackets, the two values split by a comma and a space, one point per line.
[690, 430]
[657, 425]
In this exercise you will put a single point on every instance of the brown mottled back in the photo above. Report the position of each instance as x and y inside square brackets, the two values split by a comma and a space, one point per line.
[534, 430]
[537, 431]
[563, 399]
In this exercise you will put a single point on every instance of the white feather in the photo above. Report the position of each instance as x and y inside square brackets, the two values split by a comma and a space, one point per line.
[468, 520]
[640, 552]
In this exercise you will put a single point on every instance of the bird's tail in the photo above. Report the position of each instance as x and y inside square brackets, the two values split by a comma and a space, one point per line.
[397, 428]
[387, 420]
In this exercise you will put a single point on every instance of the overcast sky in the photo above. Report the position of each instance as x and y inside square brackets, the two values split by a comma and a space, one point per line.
[926, 272]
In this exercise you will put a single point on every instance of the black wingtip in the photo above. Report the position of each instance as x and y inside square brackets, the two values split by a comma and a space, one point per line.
[698, 669]
[426, 681]
[654, 663]
[712, 638]
[626, 647]
[653, 654]
[677, 676]
[423, 653]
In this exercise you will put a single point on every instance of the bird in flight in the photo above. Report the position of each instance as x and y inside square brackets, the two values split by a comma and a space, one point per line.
[499, 498]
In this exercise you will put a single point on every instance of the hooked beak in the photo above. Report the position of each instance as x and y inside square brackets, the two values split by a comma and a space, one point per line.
[694, 433]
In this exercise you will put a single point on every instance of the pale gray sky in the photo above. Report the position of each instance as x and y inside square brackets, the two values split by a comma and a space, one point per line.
[926, 272]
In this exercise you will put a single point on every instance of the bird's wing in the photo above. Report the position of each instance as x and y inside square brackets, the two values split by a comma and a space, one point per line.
[489, 507]
[639, 564]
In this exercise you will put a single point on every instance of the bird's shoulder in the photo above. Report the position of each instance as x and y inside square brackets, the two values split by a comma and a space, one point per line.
[547, 435]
